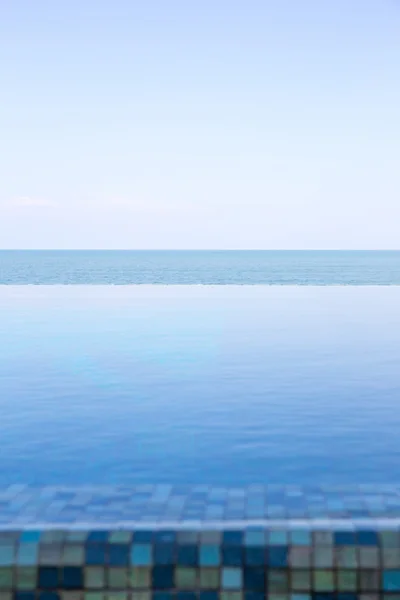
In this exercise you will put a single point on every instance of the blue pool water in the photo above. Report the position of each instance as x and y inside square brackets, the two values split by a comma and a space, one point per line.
[201, 267]
[222, 385]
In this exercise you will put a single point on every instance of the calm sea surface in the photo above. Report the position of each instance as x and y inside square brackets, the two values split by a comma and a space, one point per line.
[191, 384]
[201, 267]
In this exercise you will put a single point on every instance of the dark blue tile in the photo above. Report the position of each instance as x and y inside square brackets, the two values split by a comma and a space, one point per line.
[98, 536]
[254, 579]
[163, 577]
[72, 578]
[254, 596]
[162, 596]
[96, 554]
[209, 596]
[188, 555]
[143, 537]
[324, 596]
[255, 555]
[118, 555]
[24, 595]
[232, 556]
[232, 538]
[367, 538]
[164, 537]
[344, 538]
[278, 556]
[347, 597]
[48, 578]
[164, 554]
[186, 596]
[49, 596]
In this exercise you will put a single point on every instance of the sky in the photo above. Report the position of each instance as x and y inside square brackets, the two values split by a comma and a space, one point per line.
[200, 124]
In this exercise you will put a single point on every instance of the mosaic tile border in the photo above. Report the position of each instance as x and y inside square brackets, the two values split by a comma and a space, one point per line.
[326, 556]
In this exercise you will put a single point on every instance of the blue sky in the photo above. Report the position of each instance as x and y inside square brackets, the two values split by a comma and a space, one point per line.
[200, 124]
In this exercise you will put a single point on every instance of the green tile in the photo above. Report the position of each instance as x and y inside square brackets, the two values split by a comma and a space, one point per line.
[346, 557]
[141, 595]
[185, 578]
[120, 537]
[323, 580]
[389, 539]
[76, 595]
[301, 580]
[117, 595]
[117, 578]
[278, 581]
[26, 578]
[139, 577]
[391, 558]
[95, 578]
[231, 595]
[50, 554]
[323, 557]
[323, 538]
[94, 596]
[73, 554]
[76, 537]
[300, 557]
[6, 578]
[369, 558]
[369, 580]
[211, 538]
[209, 578]
[347, 581]
[188, 537]
[53, 537]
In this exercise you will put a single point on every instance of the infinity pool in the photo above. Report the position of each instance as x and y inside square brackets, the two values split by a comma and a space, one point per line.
[199, 384]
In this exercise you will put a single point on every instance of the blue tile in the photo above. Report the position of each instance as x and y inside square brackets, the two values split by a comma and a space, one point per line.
[232, 538]
[255, 555]
[186, 596]
[254, 579]
[391, 581]
[25, 595]
[232, 556]
[72, 578]
[163, 577]
[98, 536]
[118, 555]
[48, 578]
[232, 578]
[164, 537]
[367, 538]
[344, 538]
[163, 596]
[141, 555]
[143, 537]
[278, 556]
[254, 596]
[209, 595]
[188, 555]
[210, 556]
[96, 554]
[30, 536]
[300, 537]
[7, 555]
[255, 537]
[164, 554]
[49, 596]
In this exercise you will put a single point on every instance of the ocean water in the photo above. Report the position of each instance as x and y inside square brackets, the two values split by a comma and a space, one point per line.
[199, 384]
[201, 267]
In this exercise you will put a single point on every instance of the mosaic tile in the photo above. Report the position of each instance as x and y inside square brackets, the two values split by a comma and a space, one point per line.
[200, 543]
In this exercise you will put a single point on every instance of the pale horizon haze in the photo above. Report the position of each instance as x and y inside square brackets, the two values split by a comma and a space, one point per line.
[266, 124]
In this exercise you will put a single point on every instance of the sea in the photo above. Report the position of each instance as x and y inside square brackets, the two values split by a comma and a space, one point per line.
[236, 267]
[223, 368]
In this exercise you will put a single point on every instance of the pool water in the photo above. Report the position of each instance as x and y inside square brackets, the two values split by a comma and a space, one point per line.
[199, 384]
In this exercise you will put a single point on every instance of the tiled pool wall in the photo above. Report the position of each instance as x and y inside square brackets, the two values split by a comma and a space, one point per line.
[200, 543]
